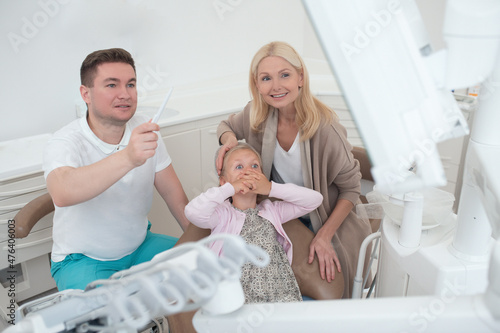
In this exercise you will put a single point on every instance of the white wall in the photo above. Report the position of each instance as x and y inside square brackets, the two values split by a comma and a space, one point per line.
[173, 42]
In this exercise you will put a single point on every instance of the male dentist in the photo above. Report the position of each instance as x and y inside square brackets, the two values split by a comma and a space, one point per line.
[100, 171]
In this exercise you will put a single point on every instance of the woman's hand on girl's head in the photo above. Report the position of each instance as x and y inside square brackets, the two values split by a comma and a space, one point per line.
[228, 141]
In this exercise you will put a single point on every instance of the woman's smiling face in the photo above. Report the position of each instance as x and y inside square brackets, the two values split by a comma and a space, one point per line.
[278, 82]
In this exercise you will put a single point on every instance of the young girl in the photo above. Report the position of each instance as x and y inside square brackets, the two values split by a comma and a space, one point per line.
[232, 208]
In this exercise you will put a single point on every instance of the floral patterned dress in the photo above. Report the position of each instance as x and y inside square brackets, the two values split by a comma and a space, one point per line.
[275, 282]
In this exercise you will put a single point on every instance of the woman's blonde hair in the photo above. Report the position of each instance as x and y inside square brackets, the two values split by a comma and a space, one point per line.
[311, 112]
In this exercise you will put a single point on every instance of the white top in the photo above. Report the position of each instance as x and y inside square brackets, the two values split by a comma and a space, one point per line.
[288, 164]
[113, 224]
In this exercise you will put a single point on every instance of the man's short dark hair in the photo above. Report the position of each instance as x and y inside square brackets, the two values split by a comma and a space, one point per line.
[88, 71]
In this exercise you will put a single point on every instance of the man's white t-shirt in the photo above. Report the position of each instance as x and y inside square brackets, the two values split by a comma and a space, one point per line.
[114, 223]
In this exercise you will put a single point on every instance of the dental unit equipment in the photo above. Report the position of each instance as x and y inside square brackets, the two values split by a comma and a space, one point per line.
[184, 278]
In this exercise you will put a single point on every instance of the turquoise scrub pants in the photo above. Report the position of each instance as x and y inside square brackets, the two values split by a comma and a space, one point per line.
[78, 270]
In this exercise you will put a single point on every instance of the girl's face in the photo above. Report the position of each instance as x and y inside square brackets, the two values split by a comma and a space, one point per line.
[238, 163]
[278, 81]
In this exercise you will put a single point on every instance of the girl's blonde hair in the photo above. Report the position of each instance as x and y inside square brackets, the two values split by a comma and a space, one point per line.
[311, 112]
[239, 146]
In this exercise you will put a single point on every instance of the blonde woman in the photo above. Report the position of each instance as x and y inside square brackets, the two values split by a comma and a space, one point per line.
[301, 141]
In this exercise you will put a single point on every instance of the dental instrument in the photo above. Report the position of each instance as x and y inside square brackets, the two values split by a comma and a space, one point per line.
[162, 107]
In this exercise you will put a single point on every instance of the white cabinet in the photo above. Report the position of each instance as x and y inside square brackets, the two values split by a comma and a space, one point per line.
[184, 149]
[337, 103]
[24, 263]
[15, 193]
[209, 147]
[192, 146]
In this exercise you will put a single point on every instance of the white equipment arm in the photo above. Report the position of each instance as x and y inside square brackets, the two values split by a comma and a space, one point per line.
[178, 280]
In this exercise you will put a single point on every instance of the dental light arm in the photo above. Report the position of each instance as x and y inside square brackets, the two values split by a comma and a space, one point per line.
[181, 279]
[394, 86]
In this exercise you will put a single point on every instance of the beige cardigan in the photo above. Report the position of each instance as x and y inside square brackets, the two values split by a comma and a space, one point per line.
[328, 167]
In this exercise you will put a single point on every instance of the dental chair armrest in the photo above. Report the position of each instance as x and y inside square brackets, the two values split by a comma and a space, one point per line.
[364, 162]
[31, 213]
[193, 234]
[366, 176]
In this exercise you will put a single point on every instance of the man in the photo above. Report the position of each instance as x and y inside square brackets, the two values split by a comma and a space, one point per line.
[100, 172]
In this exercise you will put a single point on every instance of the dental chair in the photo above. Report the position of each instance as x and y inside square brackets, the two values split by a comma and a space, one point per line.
[367, 180]
[31, 213]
